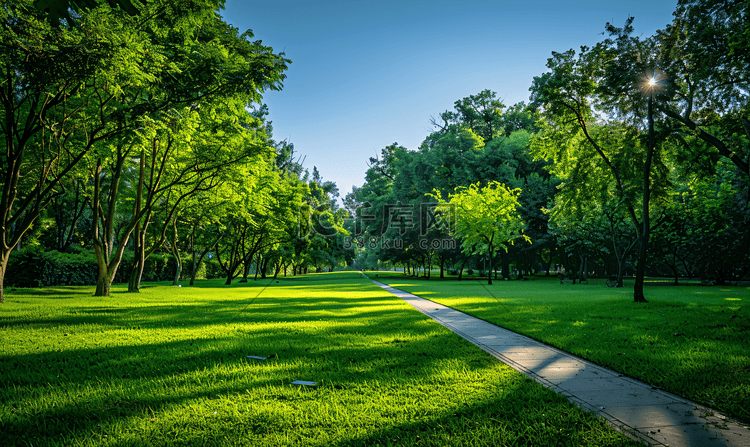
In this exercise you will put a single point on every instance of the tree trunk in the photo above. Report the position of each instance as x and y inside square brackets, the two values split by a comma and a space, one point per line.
[620, 273]
[4, 256]
[103, 284]
[193, 270]
[139, 260]
[104, 239]
[136, 274]
[264, 262]
[461, 270]
[582, 269]
[246, 270]
[640, 272]
[105, 273]
[177, 258]
[178, 269]
[139, 241]
[489, 272]
[196, 264]
[176, 254]
[673, 267]
[229, 269]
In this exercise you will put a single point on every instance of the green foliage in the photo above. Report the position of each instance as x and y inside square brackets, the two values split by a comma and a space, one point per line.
[213, 269]
[481, 114]
[59, 10]
[484, 216]
[706, 210]
[475, 142]
[36, 267]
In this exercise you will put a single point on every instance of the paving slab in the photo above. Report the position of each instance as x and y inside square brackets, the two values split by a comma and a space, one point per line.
[643, 412]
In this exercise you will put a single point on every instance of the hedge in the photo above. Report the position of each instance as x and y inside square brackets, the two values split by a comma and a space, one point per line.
[34, 267]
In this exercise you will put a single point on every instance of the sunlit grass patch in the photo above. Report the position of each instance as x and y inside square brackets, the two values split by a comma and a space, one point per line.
[170, 366]
[690, 340]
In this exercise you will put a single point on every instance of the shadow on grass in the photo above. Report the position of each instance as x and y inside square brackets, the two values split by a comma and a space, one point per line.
[57, 292]
[70, 389]
[220, 312]
[134, 380]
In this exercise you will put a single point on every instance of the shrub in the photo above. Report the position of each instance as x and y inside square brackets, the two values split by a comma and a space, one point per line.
[155, 267]
[70, 269]
[213, 269]
[34, 267]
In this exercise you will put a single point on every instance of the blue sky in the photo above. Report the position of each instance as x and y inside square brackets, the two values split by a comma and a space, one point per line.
[368, 74]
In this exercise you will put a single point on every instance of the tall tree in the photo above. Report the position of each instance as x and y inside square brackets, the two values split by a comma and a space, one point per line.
[486, 218]
[577, 91]
[57, 102]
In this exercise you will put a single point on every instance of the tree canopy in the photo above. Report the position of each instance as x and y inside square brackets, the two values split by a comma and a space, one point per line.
[486, 218]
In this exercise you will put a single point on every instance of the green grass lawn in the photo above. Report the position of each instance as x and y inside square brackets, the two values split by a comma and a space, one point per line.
[169, 366]
[693, 341]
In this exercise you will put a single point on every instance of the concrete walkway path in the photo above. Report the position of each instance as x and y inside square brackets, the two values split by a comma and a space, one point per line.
[635, 408]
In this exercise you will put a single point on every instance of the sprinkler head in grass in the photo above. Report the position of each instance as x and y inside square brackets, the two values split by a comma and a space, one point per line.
[304, 383]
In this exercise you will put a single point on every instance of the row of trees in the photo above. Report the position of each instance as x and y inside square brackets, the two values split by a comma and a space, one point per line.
[143, 130]
[633, 153]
